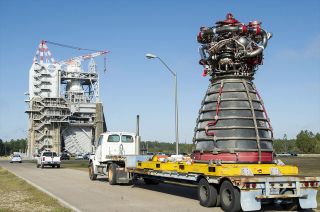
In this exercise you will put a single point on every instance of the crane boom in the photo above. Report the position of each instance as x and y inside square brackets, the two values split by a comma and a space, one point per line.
[83, 57]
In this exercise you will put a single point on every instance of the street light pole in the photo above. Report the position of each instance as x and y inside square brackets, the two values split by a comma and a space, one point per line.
[151, 56]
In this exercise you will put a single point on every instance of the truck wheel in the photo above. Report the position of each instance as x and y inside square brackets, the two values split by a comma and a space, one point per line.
[229, 197]
[112, 174]
[92, 176]
[38, 165]
[58, 166]
[150, 181]
[42, 166]
[207, 194]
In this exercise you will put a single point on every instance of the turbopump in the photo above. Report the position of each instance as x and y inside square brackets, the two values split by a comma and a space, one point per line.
[232, 47]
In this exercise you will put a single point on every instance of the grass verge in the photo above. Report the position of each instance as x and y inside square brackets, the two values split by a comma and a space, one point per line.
[78, 165]
[18, 195]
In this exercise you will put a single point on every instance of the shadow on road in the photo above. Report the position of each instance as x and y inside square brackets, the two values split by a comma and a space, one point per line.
[176, 190]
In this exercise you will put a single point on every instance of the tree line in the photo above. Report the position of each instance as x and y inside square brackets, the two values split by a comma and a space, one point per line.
[14, 145]
[305, 142]
[165, 147]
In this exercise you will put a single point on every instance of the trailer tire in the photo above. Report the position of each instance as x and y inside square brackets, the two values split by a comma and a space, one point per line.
[112, 174]
[229, 197]
[207, 193]
[92, 175]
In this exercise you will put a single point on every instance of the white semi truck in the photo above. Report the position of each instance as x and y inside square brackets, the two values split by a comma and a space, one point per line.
[234, 187]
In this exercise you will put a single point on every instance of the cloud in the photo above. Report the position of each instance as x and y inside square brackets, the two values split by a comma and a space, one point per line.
[310, 51]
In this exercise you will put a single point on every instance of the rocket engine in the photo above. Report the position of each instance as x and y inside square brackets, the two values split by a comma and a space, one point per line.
[232, 125]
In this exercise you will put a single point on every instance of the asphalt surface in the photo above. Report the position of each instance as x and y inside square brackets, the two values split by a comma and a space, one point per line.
[76, 190]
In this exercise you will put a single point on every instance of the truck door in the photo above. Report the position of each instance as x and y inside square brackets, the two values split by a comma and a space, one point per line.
[128, 144]
[99, 148]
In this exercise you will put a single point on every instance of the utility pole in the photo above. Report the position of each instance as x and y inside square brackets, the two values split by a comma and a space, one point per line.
[285, 142]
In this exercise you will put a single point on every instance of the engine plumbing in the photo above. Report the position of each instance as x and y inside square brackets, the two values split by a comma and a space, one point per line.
[232, 48]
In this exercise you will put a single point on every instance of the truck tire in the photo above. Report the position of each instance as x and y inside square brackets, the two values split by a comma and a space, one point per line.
[229, 197]
[207, 194]
[112, 174]
[92, 175]
[58, 166]
[149, 181]
[38, 165]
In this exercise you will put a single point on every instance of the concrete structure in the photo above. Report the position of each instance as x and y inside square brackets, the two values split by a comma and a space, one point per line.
[63, 101]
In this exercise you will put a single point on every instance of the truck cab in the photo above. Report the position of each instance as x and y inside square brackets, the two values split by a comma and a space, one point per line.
[115, 144]
[112, 151]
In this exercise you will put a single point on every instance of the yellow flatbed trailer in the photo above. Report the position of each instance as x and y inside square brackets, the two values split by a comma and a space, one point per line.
[234, 187]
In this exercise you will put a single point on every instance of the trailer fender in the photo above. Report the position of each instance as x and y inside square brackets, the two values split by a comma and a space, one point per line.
[248, 200]
[310, 201]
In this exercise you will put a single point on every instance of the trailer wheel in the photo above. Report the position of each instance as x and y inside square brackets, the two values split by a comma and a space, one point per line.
[92, 175]
[112, 174]
[229, 197]
[207, 194]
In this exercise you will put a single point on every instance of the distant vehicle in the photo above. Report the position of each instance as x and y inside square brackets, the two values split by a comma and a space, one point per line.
[293, 154]
[16, 159]
[286, 154]
[48, 159]
[79, 157]
[64, 156]
[87, 156]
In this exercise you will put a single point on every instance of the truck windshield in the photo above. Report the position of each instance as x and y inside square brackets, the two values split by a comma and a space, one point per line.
[127, 138]
[49, 154]
[113, 138]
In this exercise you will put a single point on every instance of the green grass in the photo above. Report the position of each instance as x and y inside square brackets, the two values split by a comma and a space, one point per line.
[18, 195]
[75, 164]
[308, 166]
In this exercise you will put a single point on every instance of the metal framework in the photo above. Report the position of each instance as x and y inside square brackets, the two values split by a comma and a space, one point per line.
[62, 103]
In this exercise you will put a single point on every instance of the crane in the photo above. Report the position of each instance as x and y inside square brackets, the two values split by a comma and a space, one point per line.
[45, 55]
[83, 57]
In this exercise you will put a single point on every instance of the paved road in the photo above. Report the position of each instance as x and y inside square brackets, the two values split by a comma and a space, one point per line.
[75, 188]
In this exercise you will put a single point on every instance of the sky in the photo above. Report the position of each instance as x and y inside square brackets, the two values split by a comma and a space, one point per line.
[288, 81]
